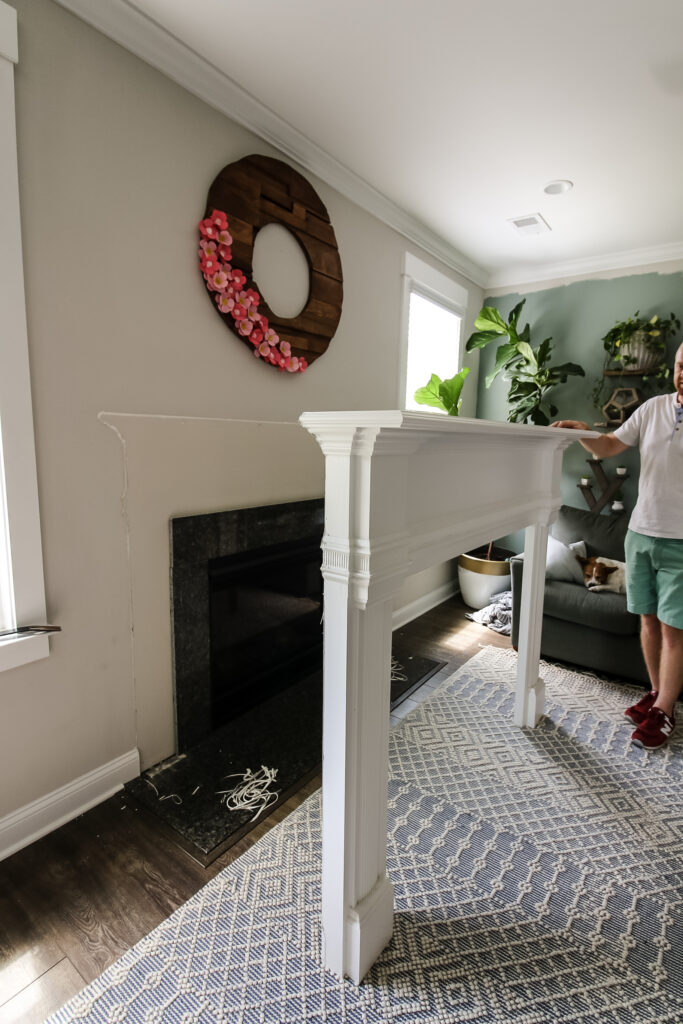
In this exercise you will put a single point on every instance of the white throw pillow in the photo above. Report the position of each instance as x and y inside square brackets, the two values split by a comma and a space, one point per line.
[560, 560]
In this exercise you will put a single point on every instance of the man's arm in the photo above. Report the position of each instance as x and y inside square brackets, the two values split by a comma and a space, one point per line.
[603, 447]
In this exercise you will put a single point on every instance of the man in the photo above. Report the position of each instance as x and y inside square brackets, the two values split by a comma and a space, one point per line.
[654, 551]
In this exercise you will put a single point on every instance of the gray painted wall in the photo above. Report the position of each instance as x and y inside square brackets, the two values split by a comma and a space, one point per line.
[577, 316]
[115, 161]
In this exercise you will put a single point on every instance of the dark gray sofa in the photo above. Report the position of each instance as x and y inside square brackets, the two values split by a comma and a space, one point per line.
[593, 630]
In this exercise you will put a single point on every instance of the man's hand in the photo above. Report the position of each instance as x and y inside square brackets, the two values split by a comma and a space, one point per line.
[603, 447]
[571, 424]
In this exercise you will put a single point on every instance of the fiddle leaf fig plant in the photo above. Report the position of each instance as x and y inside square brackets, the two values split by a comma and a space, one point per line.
[530, 376]
[443, 394]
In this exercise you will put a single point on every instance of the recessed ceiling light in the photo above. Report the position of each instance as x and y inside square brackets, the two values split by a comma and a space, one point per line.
[559, 187]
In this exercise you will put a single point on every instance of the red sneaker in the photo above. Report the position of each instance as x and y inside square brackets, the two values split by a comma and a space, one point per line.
[638, 712]
[655, 730]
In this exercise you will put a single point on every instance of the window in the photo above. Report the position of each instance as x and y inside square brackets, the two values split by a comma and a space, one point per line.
[434, 308]
[22, 590]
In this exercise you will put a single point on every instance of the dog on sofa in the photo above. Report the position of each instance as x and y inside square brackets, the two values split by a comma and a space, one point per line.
[603, 574]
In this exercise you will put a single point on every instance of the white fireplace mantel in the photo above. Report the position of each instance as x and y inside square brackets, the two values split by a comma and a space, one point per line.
[404, 491]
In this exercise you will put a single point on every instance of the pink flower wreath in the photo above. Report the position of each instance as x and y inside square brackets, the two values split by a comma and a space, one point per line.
[227, 282]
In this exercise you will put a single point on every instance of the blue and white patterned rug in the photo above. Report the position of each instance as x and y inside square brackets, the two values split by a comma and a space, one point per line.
[538, 878]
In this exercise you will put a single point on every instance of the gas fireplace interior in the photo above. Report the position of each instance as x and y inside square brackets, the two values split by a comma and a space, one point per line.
[265, 624]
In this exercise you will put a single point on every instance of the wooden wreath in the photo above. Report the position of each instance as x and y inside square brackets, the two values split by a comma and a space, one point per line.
[243, 198]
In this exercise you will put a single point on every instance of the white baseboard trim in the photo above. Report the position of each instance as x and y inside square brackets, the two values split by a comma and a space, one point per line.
[36, 819]
[424, 604]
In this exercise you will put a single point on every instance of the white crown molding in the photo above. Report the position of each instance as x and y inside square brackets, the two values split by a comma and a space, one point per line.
[9, 42]
[44, 815]
[138, 33]
[510, 278]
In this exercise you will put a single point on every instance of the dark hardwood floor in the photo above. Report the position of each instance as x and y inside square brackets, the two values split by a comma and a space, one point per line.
[73, 902]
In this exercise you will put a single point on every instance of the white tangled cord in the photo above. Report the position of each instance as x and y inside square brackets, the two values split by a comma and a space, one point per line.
[398, 674]
[252, 793]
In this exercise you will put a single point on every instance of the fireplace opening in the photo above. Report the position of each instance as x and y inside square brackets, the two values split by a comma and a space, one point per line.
[265, 615]
[247, 663]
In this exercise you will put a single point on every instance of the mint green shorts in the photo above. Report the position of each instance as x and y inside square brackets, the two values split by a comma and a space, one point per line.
[654, 577]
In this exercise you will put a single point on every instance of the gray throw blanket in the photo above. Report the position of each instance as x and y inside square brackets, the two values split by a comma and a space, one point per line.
[497, 615]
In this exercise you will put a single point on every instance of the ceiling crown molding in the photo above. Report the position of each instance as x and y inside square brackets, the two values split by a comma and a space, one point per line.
[514, 277]
[8, 33]
[138, 33]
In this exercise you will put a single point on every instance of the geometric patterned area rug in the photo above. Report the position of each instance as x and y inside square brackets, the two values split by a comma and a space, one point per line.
[538, 878]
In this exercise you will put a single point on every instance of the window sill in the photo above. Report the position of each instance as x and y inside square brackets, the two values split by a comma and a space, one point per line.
[20, 650]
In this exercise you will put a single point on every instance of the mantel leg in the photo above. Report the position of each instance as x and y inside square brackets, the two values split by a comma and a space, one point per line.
[530, 692]
[357, 896]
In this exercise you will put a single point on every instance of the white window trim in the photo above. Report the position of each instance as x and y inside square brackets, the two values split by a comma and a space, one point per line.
[16, 414]
[419, 277]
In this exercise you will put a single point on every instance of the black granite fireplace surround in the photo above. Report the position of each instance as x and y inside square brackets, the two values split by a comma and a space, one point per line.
[246, 606]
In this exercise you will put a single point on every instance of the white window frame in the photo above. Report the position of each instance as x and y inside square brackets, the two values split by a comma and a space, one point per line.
[23, 580]
[419, 277]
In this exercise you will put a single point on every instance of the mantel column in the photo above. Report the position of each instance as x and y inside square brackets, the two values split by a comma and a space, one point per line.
[530, 689]
[364, 562]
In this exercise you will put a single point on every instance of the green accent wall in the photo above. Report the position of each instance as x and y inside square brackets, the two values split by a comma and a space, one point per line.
[577, 316]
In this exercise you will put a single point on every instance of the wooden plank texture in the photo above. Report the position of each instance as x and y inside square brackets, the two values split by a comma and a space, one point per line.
[257, 191]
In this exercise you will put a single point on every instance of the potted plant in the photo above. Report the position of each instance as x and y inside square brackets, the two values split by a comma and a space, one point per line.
[483, 573]
[527, 368]
[486, 571]
[638, 345]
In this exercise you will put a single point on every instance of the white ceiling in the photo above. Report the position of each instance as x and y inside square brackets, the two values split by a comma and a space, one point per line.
[459, 113]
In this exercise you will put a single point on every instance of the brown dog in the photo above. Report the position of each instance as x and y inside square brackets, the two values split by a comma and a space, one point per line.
[599, 574]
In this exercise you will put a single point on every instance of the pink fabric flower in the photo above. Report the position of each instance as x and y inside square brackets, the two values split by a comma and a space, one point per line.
[219, 219]
[272, 338]
[224, 237]
[285, 348]
[238, 279]
[207, 248]
[209, 266]
[225, 302]
[212, 225]
[264, 349]
[245, 327]
[292, 364]
[220, 281]
[257, 353]
[207, 228]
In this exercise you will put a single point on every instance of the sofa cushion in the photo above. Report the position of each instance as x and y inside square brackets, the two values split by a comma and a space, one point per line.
[604, 535]
[603, 610]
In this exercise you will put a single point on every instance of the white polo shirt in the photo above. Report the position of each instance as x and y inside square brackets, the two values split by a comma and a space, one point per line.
[652, 427]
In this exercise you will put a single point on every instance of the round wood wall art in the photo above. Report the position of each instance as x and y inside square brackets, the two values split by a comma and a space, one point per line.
[243, 198]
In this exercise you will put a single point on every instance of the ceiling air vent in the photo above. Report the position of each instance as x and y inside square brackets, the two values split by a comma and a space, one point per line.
[531, 224]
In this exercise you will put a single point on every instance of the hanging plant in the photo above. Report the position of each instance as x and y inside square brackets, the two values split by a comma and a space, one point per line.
[638, 345]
